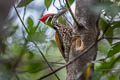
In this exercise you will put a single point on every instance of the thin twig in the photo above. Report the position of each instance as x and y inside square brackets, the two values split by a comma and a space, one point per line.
[34, 43]
[61, 63]
[79, 25]
[20, 19]
[55, 5]
[60, 9]
[109, 37]
[25, 8]
[58, 15]
[60, 3]
[46, 60]
[70, 62]
[117, 69]
[24, 11]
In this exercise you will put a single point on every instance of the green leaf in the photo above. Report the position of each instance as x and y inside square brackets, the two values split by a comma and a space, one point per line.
[30, 25]
[105, 65]
[111, 28]
[31, 28]
[112, 10]
[71, 1]
[30, 21]
[47, 3]
[115, 49]
[117, 32]
[102, 23]
[24, 3]
[104, 49]
[36, 66]
[109, 32]
[116, 24]
[37, 36]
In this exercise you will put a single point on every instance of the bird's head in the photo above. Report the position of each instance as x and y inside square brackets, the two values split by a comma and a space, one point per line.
[47, 19]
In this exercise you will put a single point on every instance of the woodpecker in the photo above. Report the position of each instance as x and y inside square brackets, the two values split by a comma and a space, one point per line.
[65, 38]
[63, 34]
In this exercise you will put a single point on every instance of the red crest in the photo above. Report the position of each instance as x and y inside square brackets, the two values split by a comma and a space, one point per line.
[44, 18]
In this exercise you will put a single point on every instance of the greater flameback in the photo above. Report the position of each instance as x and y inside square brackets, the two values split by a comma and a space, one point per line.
[63, 34]
[64, 37]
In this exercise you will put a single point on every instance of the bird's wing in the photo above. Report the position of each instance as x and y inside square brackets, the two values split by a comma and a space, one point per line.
[59, 44]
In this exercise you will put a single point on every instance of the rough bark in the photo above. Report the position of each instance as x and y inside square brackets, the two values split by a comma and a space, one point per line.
[85, 15]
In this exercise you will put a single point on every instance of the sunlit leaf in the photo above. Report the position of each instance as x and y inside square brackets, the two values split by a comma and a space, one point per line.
[115, 49]
[117, 33]
[30, 21]
[108, 64]
[104, 49]
[47, 3]
[24, 3]
[30, 25]
[116, 24]
[104, 25]
[53, 42]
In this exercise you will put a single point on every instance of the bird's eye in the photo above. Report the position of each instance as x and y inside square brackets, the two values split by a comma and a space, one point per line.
[50, 17]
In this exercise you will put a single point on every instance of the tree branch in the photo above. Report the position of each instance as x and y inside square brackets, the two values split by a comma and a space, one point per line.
[78, 24]
[20, 19]
[110, 37]
[55, 5]
[70, 62]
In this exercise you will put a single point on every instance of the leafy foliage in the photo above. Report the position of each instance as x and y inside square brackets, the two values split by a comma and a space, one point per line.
[34, 32]
[20, 44]
[24, 3]
[47, 3]
[115, 49]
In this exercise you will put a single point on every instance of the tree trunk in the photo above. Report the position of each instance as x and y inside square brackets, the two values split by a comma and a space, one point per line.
[85, 14]
[5, 6]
